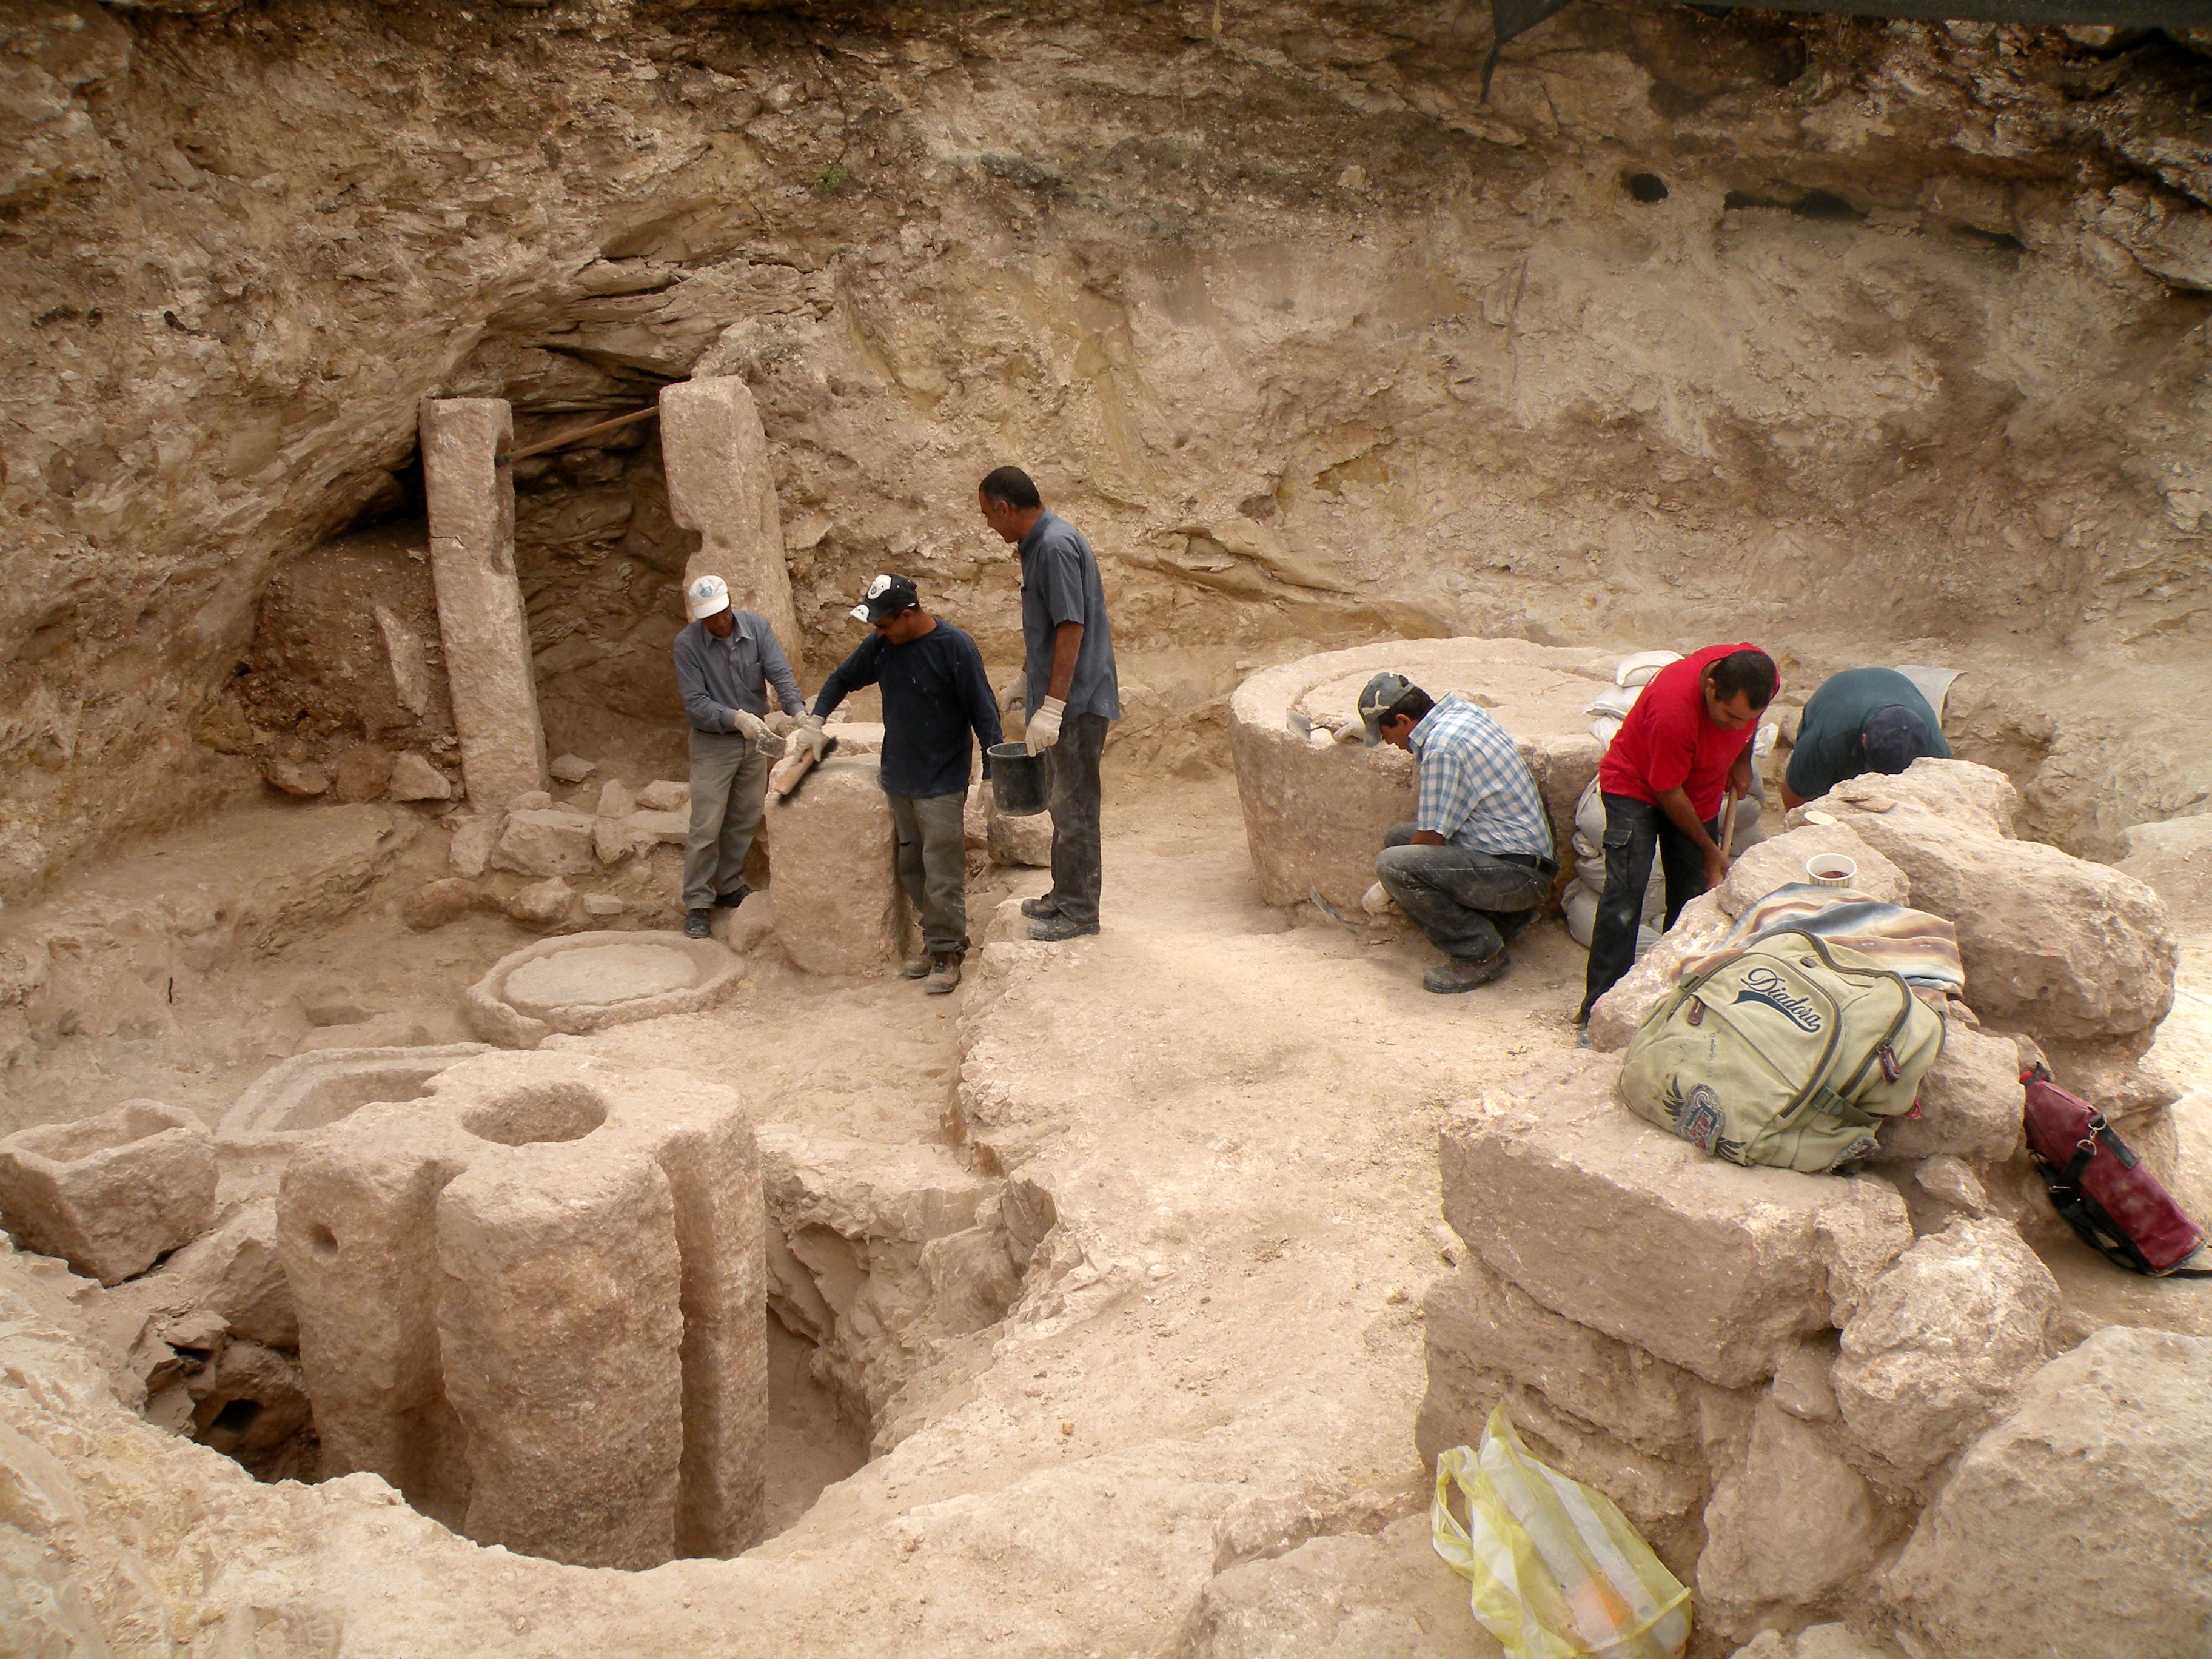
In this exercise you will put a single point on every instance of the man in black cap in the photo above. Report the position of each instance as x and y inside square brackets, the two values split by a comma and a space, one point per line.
[935, 694]
[1863, 720]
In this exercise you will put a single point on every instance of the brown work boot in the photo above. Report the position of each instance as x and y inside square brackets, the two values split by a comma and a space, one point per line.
[917, 964]
[1463, 974]
[944, 974]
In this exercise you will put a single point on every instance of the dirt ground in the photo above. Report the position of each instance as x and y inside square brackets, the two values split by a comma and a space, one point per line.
[1233, 1110]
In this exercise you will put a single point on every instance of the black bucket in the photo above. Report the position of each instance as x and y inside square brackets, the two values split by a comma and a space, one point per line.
[1017, 779]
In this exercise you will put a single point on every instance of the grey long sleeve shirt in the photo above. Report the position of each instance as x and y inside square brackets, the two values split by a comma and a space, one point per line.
[718, 677]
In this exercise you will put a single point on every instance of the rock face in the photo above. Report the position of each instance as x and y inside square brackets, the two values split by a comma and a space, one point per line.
[721, 483]
[487, 641]
[532, 1299]
[2100, 1475]
[1714, 1268]
[1791, 1525]
[1945, 1337]
[838, 909]
[109, 1194]
[1315, 813]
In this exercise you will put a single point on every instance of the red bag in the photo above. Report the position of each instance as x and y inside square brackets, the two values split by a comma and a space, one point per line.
[2100, 1188]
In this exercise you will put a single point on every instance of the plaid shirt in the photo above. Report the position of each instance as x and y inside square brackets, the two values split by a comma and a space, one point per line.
[1476, 791]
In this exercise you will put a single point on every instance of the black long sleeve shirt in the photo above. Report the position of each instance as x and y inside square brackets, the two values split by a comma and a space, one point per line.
[935, 693]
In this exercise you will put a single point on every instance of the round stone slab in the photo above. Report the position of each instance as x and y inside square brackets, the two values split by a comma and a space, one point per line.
[583, 983]
[598, 975]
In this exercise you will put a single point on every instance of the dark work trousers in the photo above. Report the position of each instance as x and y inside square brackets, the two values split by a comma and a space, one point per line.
[1634, 830]
[729, 788]
[933, 865]
[1072, 795]
[1470, 904]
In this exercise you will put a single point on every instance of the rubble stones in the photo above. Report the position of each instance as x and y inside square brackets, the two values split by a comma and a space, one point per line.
[1970, 1104]
[571, 769]
[233, 1271]
[837, 905]
[615, 800]
[552, 842]
[414, 778]
[2100, 1478]
[110, 1193]
[434, 903]
[2070, 950]
[469, 850]
[1715, 1268]
[1793, 1523]
[532, 1300]
[665, 796]
[589, 981]
[1024, 841]
[295, 778]
[1943, 1342]
[542, 904]
[363, 773]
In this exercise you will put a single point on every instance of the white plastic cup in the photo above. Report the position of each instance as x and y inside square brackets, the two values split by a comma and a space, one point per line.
[1831, 870]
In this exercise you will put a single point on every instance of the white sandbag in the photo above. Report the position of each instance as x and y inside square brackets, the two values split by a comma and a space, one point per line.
[1639, 669]
[1603, 728]
[1613, 702]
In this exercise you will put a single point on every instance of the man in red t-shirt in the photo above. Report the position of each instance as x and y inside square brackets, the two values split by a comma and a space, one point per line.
[1685, 744]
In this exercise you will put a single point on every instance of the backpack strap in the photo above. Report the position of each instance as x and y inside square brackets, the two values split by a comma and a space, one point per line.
[1827, 1101]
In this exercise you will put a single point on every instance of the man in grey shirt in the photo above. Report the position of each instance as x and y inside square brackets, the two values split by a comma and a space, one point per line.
[726, 661]
[1072, 694]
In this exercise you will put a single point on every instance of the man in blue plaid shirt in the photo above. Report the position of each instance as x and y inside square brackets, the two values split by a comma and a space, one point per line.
[1476, 860]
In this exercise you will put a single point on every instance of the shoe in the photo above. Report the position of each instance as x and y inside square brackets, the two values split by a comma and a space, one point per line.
[1040, 909]
[916, 965]
[734, 897]
[1055, 928]
[944, 974]
[698, 924]
[1460, 974]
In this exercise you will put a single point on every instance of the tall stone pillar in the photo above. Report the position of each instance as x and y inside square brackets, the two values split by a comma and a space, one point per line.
[480, 617]
[718, 484]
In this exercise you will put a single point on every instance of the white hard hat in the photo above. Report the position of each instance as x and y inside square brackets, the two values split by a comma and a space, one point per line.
[707, 597]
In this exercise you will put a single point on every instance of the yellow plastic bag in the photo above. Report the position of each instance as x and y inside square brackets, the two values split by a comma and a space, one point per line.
[1555, 1571]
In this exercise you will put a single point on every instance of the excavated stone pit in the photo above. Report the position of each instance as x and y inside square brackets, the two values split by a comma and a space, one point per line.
[1117, 1304]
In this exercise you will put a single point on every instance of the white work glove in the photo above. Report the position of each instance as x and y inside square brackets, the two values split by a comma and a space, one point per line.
[808, 735]
[750, 726]
[1043, 729]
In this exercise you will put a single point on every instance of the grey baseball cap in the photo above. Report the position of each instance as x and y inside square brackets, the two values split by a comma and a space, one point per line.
[1374, 700]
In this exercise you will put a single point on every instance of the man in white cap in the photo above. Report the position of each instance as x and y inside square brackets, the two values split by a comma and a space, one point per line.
[935, 696]
[726, 659]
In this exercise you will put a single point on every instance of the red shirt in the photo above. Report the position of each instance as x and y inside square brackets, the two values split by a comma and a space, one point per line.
[1669, 742]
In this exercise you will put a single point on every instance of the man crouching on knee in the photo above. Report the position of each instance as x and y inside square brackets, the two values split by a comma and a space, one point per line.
[1476, 860]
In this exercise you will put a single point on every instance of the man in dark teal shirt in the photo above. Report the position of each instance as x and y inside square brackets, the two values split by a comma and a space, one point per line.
[935, 694]
[1863, 720]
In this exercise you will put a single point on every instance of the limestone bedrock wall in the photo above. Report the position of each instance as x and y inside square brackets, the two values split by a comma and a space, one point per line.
[532, 1300]
[720, 485]
[1906, 364]
[470, 492]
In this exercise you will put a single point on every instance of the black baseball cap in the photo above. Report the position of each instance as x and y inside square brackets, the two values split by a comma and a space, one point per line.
[886, 596]
[1895, 737]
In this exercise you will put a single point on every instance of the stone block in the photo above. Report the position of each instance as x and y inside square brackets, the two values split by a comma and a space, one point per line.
[1795, 1523]
[390, 1031]
[2070, 950]
[364, 772]
[571, 769]
[295, 777]
[721, 483]
[1025, 841]
[542, 904]
[533, 1301]
[1314, 814]
[1781, 860]
[470, 493]
[838, 909]
[414, 778]
[615, 839]
[1944, 1340]
[617, 799]
[1699, 929]
[311, 1091]
[1970, 1104]
[586, 983]
[110, 1193]
[1612, 1224]
[469, 850]
[551, 842]
[665, 796]
[2099, 1477]
[233, 1271]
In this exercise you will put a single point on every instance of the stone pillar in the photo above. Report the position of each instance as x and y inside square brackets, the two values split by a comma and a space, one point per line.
[838, 909]
[533, 1300]
[480, 618]
[719, 484]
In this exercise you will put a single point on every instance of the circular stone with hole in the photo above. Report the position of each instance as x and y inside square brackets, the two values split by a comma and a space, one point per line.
[585, 982]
